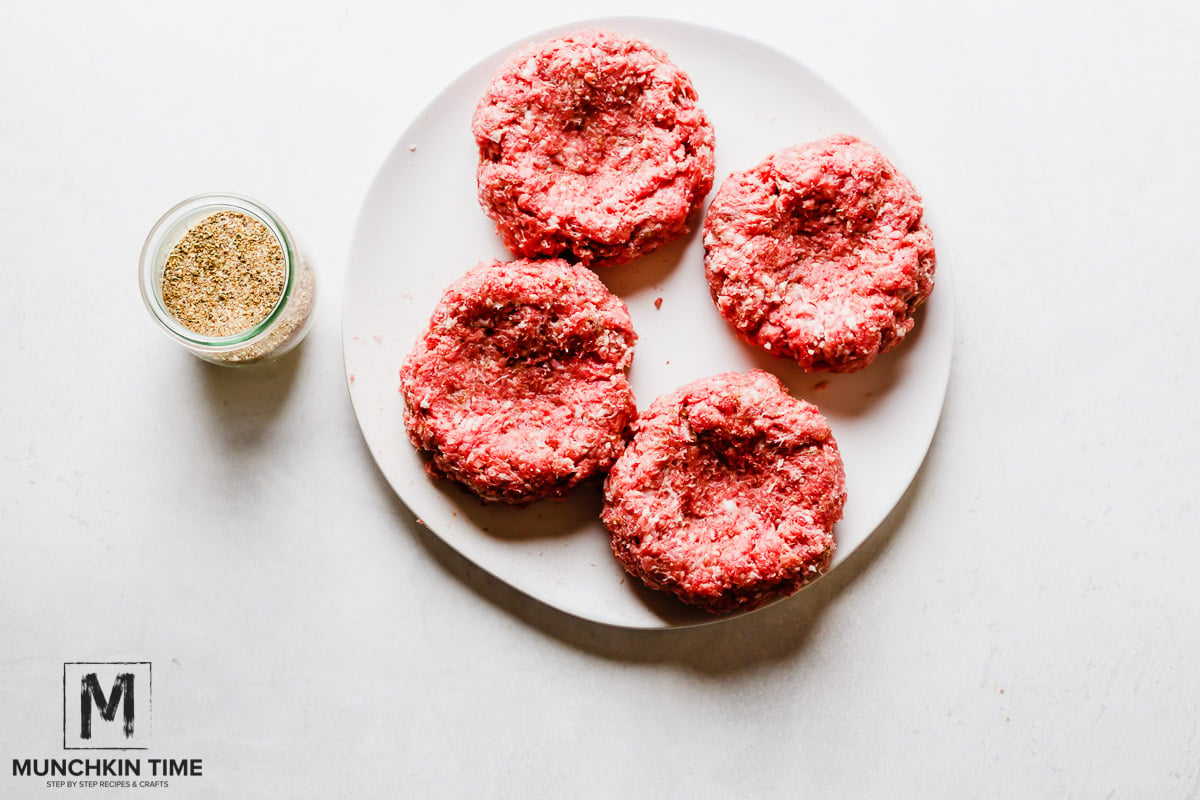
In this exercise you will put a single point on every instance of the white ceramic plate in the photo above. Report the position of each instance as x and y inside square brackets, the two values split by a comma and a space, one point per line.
[421, 227]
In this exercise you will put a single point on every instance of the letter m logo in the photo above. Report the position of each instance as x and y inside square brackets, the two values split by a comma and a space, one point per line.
[122, 689]
[112, 704]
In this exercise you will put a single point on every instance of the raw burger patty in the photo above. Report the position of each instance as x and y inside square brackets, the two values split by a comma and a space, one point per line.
[591, 148]
[728, 493]
[517, 389]
[819, 254]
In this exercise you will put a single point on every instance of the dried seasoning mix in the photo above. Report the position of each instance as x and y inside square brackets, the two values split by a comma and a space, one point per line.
[227, 280]
[225, 276]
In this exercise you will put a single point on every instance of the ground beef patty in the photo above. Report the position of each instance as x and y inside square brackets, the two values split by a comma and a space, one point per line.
[819, 254]
[517, 389]
[591, 148]
[728, 493]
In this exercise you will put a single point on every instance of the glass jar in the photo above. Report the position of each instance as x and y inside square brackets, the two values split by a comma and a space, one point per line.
[277, 333]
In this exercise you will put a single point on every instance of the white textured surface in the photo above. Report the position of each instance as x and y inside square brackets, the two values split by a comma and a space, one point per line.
[1026, 624]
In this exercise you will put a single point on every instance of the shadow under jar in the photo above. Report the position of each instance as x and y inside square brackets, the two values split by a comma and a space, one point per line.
[225, 278]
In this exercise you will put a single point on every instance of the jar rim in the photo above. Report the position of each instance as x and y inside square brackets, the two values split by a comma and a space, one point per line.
[171, 227]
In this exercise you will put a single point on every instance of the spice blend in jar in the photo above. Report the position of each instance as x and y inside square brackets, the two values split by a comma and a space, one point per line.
[226, 279]
[225, 276]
